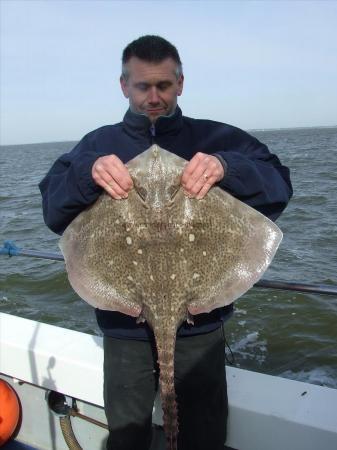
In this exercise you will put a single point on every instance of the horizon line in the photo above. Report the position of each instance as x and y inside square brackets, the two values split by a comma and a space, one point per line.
[248, 130]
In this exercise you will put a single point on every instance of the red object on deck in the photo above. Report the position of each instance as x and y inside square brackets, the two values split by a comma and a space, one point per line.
[9, 411]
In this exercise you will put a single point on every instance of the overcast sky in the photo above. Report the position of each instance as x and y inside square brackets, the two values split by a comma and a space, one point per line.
[270, 64]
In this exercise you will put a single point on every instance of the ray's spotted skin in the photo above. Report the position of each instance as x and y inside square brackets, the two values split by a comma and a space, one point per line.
[163, 257]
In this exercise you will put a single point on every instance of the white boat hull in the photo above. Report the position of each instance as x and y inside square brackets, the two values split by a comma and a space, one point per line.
[266, 412]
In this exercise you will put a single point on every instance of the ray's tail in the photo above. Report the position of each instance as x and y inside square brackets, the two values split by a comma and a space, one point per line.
[166, 347]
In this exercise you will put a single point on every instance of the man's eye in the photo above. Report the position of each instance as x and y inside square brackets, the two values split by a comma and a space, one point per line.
[163, 86]
[142, 87]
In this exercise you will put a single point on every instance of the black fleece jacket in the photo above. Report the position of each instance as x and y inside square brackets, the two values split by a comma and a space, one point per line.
[253, 175]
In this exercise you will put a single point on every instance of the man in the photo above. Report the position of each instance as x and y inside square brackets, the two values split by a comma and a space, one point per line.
[151, 80]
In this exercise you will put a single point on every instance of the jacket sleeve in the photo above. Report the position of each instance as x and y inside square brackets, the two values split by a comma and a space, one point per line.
[256, 177]
[68, 187]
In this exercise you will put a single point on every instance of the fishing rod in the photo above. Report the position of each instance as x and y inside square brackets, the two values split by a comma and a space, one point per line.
[10, 249]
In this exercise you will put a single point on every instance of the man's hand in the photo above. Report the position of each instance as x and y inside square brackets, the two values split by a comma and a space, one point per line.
[112, 175]
[200, 174]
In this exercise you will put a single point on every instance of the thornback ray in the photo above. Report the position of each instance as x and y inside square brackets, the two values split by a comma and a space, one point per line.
[163, 257]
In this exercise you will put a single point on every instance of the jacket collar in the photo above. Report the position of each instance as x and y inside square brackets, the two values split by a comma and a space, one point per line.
[139, 125]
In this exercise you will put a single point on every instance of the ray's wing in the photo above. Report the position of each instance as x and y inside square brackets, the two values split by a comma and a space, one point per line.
[232, 248]
[98, 255]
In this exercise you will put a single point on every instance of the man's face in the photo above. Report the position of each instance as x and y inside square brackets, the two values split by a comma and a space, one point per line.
[152, 88]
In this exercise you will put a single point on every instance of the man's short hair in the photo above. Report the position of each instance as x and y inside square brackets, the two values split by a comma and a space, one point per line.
[152, 49]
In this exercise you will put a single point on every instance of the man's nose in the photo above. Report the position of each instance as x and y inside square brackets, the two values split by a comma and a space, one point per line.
[153, 95]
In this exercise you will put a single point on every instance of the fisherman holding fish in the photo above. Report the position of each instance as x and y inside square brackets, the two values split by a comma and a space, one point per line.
[217, 154]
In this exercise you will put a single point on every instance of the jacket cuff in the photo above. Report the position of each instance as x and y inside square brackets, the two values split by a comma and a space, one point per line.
[223, 163]
[86, 184]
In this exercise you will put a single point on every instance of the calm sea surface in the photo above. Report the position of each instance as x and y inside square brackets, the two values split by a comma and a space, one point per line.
[281, 333]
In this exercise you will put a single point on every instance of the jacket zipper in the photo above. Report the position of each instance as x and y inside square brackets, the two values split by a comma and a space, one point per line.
[153, 133]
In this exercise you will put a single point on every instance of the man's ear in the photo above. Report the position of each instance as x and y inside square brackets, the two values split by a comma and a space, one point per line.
[180, 84]
[124, 86]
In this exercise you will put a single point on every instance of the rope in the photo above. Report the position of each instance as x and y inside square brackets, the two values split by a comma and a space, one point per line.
[68, 433]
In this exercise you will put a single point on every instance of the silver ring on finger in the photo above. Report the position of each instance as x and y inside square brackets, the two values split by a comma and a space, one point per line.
[205, 177]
